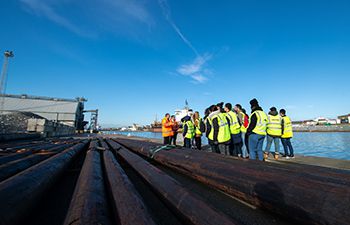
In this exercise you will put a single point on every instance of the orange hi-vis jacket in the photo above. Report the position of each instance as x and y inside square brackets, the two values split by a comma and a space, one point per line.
[167, 127]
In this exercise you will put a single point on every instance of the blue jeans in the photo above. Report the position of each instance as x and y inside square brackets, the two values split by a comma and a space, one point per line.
[276, 140]
[256, 142]
[187, 143]
[245, 152]
[287, 144]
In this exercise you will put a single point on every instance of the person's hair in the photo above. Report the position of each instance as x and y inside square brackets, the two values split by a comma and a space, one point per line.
[172, 116]
[283, 111]
[207, 112]
[213, 108]
[167, 114]
[229, 106]
[239, 106]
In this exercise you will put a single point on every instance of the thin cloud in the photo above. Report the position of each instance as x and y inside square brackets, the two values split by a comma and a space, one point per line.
[167, 13]
[45, 8]
[131, 8]
[196, 70]
[199, 78]
[105, 14]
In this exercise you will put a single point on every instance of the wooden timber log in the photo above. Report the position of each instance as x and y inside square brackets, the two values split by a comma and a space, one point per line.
[192, 208]
[20, 193]
[18, 146]
[307, 194]
[127, 204]
[9, 169]
[25, 153]
[89, 204]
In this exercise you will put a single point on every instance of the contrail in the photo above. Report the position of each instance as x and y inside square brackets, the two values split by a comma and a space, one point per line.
[167, 13]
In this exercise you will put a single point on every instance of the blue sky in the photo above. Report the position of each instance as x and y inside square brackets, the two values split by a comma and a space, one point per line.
[135, 59]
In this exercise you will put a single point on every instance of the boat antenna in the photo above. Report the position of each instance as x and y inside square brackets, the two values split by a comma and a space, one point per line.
[186, 104]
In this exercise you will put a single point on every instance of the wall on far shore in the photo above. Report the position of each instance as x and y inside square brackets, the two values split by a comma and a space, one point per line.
[322, 128]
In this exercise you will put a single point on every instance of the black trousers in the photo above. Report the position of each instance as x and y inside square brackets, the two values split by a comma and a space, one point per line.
[198, 141]
[166, 141]
[246, 141]
[215, 148]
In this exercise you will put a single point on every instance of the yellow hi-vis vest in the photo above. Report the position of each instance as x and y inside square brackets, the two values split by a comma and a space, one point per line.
[211, 132]
[261, 123]
[224, 134]
[190, 129]
[235, 128]
[197, 128]
[274, 126]
[287, 127]
[243, 129]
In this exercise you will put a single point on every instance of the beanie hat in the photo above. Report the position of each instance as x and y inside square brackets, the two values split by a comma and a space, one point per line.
[254, 102]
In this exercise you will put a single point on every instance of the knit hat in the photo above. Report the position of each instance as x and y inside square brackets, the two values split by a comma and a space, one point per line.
[254, 102]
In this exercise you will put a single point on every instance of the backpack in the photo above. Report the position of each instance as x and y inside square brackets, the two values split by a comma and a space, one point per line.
[202, 126]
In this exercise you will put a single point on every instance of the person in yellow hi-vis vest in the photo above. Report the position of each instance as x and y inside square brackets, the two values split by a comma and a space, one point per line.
[287, 134]
[256, 130]
[219, 135]
[274, 132]
[188, 130]
[199, 128]
[235, 129]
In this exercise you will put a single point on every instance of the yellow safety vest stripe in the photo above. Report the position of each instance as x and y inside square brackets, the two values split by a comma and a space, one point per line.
[235, 128]
[190, 129]
[197, 128]
[274, 125]
[243, 129]
[224, 134]
[287, 127]
[261, 123]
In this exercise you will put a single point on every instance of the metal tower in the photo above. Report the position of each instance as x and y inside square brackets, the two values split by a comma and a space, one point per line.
[7, 55]
[93, 120]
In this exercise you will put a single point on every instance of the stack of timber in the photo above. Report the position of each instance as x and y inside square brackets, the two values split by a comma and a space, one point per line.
[115, 181]
[306, 194]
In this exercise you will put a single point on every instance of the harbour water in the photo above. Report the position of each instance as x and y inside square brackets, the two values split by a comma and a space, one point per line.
[332, 144]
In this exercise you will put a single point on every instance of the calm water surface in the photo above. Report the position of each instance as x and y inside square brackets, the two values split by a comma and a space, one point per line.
[331, 145]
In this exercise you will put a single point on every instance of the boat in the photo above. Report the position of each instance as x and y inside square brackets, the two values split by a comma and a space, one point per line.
[181, 113]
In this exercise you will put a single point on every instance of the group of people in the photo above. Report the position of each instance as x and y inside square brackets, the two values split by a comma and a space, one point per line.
[230, 131]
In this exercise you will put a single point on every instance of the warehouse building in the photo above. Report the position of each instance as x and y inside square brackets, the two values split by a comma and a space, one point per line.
[344, 118]
[65, 111]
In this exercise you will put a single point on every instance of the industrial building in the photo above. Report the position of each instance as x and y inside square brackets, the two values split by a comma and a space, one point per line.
[344, 118]
[64, 111]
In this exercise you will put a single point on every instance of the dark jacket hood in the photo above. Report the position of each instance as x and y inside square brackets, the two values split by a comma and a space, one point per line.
[256, 108]
[186, 118]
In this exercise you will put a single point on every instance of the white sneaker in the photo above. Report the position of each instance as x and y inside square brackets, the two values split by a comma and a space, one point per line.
[287, 157]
